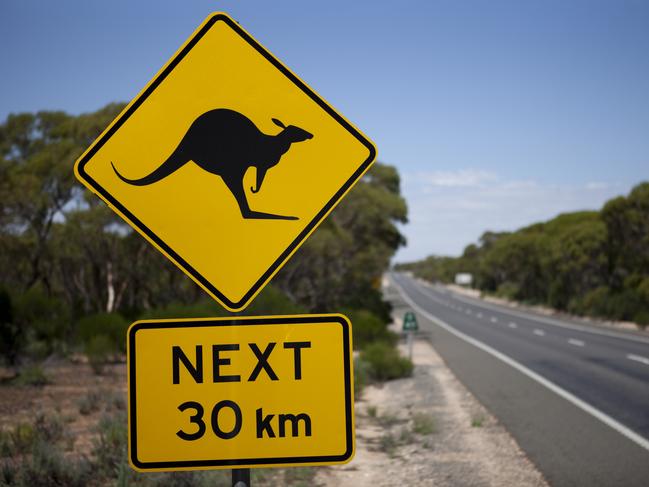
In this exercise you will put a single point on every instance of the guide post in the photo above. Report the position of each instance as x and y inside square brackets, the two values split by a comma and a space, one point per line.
[410, 326]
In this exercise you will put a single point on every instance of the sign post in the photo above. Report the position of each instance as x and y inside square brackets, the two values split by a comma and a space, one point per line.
[410, 326]
[240, 477]
[226, 162]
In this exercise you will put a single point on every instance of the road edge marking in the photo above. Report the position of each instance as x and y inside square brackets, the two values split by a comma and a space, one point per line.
[584, 406]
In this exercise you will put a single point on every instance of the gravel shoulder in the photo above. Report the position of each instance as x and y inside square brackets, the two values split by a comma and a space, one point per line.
[429, 430]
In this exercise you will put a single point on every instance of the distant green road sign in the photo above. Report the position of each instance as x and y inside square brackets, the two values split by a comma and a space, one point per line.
[410, 322]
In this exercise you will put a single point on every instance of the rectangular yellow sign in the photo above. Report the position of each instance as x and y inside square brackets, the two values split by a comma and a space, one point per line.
[244, 392]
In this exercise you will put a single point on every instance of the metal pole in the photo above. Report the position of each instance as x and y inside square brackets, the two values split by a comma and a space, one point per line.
[240, 477]
[410, 340]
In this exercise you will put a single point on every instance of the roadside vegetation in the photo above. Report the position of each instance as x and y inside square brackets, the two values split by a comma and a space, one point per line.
[73, 276]
[593, 263]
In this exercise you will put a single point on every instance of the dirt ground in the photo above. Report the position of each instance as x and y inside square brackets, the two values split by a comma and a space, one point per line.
[74, 394]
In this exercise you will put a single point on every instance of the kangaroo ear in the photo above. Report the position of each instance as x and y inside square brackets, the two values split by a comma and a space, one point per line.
[277, 122]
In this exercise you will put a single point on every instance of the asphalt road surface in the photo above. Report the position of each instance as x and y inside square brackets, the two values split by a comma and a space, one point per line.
[575, 397]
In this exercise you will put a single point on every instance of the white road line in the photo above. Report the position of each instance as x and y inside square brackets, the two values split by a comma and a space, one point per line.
[638, 358]
[479, 315]
[576, 343]
[538, 332]
[513, 325]
[584, 406]
[494, 319]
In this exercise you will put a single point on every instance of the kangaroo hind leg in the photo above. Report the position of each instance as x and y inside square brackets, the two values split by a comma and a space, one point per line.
[235, 185]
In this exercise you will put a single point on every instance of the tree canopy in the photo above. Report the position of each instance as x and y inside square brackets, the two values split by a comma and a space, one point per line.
[64, 254]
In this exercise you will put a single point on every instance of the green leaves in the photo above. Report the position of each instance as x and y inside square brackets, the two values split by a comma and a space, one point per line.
[342, 263]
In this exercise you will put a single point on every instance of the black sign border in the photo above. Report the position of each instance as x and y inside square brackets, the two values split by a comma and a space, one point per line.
[182, 263]
[239, 321]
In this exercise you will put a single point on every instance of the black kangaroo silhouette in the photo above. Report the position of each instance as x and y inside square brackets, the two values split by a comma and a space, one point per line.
[227, 143]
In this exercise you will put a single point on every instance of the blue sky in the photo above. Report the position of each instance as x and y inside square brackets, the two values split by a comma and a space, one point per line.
[497, 114]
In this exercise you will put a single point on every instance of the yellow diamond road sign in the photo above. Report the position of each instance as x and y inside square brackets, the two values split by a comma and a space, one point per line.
[222, 393]
[226, 161]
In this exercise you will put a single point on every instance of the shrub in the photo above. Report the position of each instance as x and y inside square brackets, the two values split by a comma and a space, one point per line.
[99, 349]
[44, 318]
[8, 474]
[112, 326]
[90, 403]
[641, 318]
[110, 448]
[388, 444]
[624, 305]
[5, 445]
[362, 374]
[372, 300]
[201, 309]
[423, 424]
[39, 350]
[31, 375]
[368, 328]
[118, 402]
[218, 478]
[24, 436]
[274, 302]
[18, 440]
[594, 302]
[385, 363]
[372, 411]
[270, 301]
[48, 468]
[49, 428]
[643, 289]
[508, 290]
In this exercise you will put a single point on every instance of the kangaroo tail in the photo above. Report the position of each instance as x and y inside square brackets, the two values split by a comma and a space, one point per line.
[173, 163]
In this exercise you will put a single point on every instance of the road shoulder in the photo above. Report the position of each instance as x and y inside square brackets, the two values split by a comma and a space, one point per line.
[429, 430]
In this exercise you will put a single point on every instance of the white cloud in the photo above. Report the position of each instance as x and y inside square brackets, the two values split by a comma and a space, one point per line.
[449, 210]
[464, 178]
[593, 185]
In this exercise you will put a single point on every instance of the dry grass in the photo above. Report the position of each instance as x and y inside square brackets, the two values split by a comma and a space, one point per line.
[73, 431]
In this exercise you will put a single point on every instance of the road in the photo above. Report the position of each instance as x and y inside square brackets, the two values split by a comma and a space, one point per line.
[575, 397]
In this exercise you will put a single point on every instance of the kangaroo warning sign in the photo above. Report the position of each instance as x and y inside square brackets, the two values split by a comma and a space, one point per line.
[261, 391]
[226, 161]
